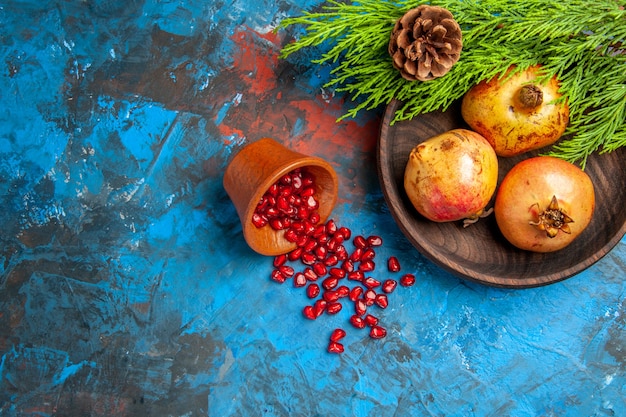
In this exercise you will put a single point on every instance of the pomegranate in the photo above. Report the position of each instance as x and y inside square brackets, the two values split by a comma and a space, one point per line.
[451, 176]
[544, 203]
[516, 113]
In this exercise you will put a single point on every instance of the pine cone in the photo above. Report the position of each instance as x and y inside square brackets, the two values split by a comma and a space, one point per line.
[425, 43]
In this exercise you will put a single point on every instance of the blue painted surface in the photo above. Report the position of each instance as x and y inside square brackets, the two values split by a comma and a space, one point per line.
[126, 286]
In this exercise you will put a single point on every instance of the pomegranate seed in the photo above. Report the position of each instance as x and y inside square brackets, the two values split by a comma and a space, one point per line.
[369, 297]
[330, 283]
[313, 290]
[393, 264]
[359, 307]
[296, 182]
[282, 203]
[389, 285]
[370, 282]
[309, 312]
[382, 301]
[307, 180]
[308, 191]
[320, 269]
[314, 217]
[407, 280]
[370, 320]
[335, 347]
[333, 308]
[374, 241]
[330, 296]
[299, 280]
[277, 224]
[356, 276]
[331, 227]
[343, 291]
[319, 307]
[337, 335]
[331, 260]
[278, 276]
[337, 272]
[319, 231]
[286, 270]
[321, 252]
[345, 232]
[310, 274]
[341, 252]
[302, 241]
[377, 332]
[286, 179]
[367, 266]
[356, 293]
[368, 255]
[309, 245]
[279, 260]
[295, 254]
[322, 240]
[311, 203]
[347, 265]
[356, 255]
[308, 258]
[332, 244]
[359, 242]
[259, 220]
[357, 321]
[298, 227]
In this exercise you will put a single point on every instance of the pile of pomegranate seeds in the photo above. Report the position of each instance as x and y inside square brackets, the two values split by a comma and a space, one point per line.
[333, 277]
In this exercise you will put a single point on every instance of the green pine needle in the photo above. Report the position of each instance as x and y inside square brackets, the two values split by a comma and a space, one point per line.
[578, 41]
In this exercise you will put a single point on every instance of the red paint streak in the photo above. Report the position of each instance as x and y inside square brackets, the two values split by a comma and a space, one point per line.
[256, 56]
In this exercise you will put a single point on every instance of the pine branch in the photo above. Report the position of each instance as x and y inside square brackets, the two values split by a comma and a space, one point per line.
[578, 42]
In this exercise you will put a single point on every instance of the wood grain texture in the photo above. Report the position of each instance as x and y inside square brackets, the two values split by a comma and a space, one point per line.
[479, 252]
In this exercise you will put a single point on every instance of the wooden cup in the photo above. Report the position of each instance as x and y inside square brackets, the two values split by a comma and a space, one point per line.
[251, 173]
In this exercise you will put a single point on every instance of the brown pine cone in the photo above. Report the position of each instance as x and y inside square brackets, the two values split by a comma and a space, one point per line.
[425, 43]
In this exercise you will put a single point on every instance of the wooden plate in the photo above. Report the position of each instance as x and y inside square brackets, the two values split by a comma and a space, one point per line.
[479, 252]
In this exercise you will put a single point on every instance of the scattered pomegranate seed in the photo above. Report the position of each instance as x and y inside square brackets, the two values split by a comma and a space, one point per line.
[319, 307]
[335, 347]
[290, 206]
[360, 242]
[377, 332]
[333, 308]
[279, 260]
[343, 291]
[286, 270]
[330, 296]
[370, 320]
[299, 280]
[313, 290]
[370, 282]
[330, 283]
[381, 300]
[309, 312]
[357, 321]
[278, 276]
[367, 266]
[407, 280]
[389, 285]
[393, 264]
[356, 293]
[360, 307]
[369, 297]
[337, 335]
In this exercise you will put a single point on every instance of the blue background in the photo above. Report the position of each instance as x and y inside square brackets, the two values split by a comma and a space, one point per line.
[126, 287]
